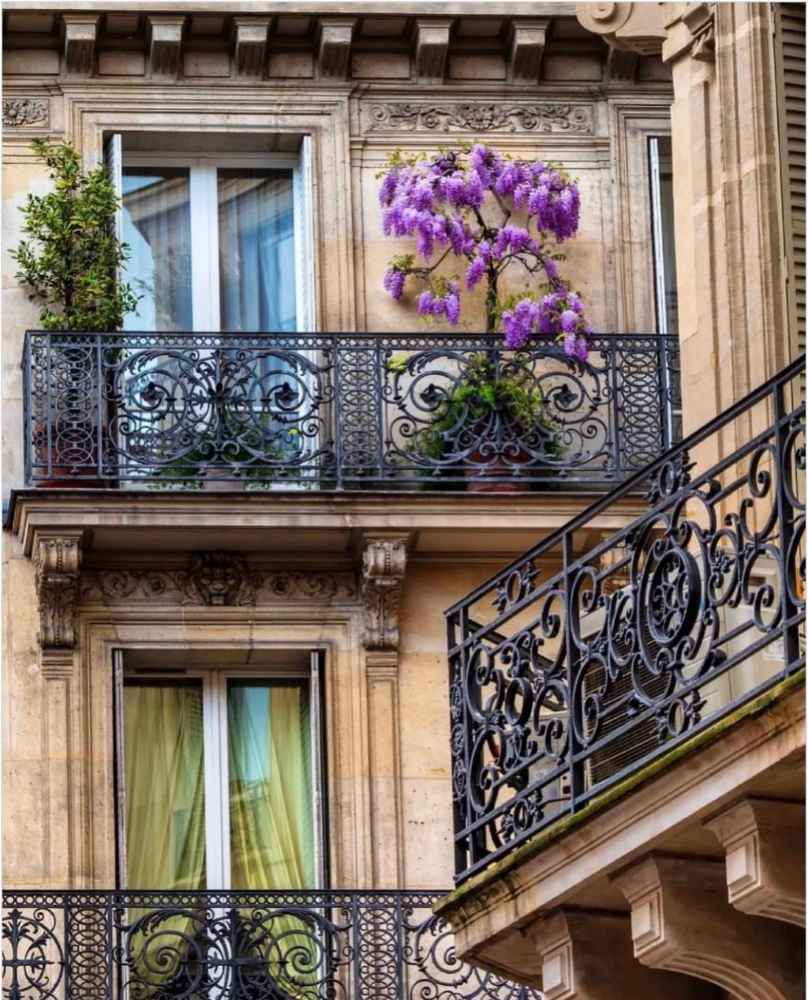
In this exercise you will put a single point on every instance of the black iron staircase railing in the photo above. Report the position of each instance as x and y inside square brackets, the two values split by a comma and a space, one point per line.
[595, 653]
[342, 411]
[236, 945]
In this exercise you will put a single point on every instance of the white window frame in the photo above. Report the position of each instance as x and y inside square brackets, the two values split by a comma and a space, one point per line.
[205, 287]
[215, 759]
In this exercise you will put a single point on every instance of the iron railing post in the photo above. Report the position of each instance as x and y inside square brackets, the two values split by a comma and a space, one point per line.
[575, 724]
[783, 476]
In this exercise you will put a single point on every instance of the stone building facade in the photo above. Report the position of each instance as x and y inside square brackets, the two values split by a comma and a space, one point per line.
[344, 590]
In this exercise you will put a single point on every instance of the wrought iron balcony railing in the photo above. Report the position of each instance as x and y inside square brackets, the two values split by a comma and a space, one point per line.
[588, 658]
[297, 945]
[342, 411]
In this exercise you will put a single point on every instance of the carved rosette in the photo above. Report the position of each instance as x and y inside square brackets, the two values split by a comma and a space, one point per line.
[575, 119]
[384, 564]
[57, 557]
[25, 112]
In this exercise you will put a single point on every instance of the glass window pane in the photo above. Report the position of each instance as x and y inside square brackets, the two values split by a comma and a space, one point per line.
[164, 785]
[661, 155]
[256, 250]
[157, 228]
[270, 779]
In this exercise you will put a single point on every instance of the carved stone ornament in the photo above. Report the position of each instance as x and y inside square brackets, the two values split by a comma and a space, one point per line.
[215, 580]
[383, 569]
[25, 112]
[632, 27]
[576, 119]
[57, 557]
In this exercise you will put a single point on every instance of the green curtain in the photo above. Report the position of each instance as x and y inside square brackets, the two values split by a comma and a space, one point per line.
[165, 818]
[271, 822]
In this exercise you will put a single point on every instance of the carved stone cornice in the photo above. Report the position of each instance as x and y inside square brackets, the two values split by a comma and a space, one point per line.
[632, 27]
[215, 580]
[251, 45]
[511, 116]
[57, 560]
[384, 563]
[334, 52]
[165, 44]
[26, 112]
[690, 31]
[80, 38]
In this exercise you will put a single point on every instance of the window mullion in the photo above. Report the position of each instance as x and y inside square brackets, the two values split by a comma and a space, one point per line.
[216, 826]
[205, 248]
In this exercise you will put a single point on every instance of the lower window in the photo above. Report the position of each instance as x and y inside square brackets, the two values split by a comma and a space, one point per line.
[219, 777]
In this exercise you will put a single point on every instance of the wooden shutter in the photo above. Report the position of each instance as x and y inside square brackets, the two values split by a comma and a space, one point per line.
[790, 70]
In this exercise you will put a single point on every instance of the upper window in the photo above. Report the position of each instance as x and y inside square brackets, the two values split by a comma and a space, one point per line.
[216, 243]
[660, 164]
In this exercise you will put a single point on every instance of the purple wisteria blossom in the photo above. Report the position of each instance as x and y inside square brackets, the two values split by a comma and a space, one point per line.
[492, 213]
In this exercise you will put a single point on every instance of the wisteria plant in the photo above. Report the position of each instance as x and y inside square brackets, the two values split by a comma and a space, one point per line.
[492, 213]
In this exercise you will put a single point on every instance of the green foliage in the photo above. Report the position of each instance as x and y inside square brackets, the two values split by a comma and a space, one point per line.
[70, 257]
[480, 393]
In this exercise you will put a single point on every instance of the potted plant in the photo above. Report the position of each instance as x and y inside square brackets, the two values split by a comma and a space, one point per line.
[492, 213]
[69, 260]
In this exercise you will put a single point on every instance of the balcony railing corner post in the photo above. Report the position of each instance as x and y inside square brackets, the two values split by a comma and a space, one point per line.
[576, 767]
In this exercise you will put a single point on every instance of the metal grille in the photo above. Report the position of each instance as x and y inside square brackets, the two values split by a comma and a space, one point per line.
[565, 680]
[340, 411]
[237, 945]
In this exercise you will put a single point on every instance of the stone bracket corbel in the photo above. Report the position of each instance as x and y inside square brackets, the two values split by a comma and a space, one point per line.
[528, 42]
[165, 45]
[384, 563]
[57, 560]
[431, 49]
[80, 40]
[334, 58]
[681, 921]
[251, 35]
[764, 843]
[630, 27]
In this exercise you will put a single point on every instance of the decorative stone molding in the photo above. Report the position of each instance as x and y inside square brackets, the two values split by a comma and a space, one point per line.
[396, 116]
[26, 112]
[527, 49]
[165, 44]
[336, 35]
[681, 921]
[431, 50]
[211, 581]
[632, 27]
[80, 38]
[690, 31]
[765, 857]
[588, 956]
[57, 559]
[384, 563]
[251, 45]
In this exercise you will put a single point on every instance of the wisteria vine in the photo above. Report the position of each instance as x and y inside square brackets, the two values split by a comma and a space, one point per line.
[444, 202]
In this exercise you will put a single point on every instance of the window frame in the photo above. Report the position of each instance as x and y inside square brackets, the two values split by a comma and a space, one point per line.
[204, 207]
[214, 682]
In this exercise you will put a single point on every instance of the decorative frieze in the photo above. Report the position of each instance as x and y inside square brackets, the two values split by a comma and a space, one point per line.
[215, 579]
[384, 563]
[57, 558]
[26, 112]
[576, 119]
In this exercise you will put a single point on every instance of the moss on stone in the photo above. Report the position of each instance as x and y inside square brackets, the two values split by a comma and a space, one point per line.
[603, 801]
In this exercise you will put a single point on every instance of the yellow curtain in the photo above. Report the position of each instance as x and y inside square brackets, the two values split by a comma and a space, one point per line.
[165, 818]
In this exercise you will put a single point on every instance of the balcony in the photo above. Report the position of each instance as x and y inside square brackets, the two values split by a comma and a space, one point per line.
[354, 945]
[341, 412]
[590, 659]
